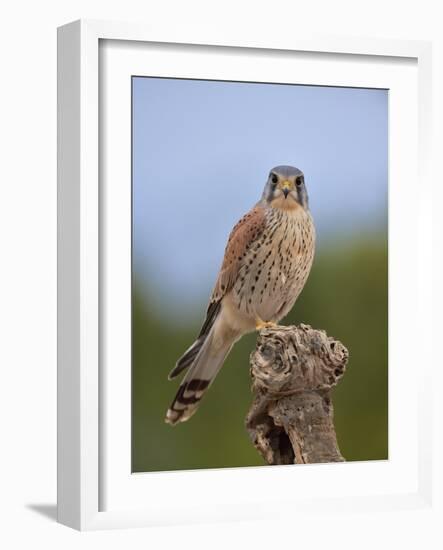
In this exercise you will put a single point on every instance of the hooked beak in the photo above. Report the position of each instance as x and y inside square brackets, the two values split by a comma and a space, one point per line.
[286, 188]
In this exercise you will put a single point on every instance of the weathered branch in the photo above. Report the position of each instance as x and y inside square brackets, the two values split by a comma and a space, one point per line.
[291, 418]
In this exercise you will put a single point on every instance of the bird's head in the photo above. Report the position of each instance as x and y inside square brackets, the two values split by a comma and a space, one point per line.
[286, 188]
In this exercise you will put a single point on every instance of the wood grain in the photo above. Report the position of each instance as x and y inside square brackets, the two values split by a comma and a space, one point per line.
[293, 371]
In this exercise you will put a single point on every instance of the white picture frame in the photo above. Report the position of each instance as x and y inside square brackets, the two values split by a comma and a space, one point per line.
[96, 489]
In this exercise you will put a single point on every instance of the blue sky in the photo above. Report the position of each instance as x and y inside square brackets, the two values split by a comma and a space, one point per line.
[202, 151]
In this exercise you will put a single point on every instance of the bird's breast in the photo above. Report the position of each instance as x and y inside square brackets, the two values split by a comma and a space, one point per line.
[276, 266]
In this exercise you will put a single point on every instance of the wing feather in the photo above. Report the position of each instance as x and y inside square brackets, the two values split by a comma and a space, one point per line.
[243, 235]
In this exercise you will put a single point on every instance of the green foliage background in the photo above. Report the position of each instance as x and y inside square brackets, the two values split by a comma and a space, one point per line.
[346, 294]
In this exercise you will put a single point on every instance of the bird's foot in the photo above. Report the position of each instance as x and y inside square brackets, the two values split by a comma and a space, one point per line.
[260, 325]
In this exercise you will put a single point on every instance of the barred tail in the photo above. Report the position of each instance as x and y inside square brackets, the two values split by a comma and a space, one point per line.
[205, 366]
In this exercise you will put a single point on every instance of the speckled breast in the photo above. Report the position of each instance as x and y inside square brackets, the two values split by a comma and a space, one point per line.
[276, 266]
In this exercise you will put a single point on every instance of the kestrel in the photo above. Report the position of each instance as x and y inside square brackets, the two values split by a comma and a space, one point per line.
[267, 261]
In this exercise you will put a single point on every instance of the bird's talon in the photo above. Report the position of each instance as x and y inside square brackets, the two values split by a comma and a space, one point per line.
[260, 325]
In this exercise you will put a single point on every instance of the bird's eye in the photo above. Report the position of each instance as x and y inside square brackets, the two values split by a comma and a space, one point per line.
[274, 178]
[299, 181]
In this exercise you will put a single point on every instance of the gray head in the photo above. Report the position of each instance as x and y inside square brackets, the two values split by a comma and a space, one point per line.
[286, 188]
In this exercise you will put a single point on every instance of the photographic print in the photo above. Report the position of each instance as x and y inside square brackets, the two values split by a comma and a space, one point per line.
[259, 259]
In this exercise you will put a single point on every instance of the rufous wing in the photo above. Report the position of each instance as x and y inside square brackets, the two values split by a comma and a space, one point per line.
[243, 235]
[206, 356]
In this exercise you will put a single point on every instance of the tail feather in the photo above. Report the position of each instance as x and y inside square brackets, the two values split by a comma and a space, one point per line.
[187, 358]
[197, 380]
[191, 353]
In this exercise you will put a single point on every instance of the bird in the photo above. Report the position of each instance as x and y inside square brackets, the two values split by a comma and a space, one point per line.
[267, 261]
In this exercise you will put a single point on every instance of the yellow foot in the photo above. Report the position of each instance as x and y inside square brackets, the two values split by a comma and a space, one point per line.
[260, 325]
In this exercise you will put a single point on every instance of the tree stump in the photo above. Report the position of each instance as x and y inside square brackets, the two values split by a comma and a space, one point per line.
[293, 370]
